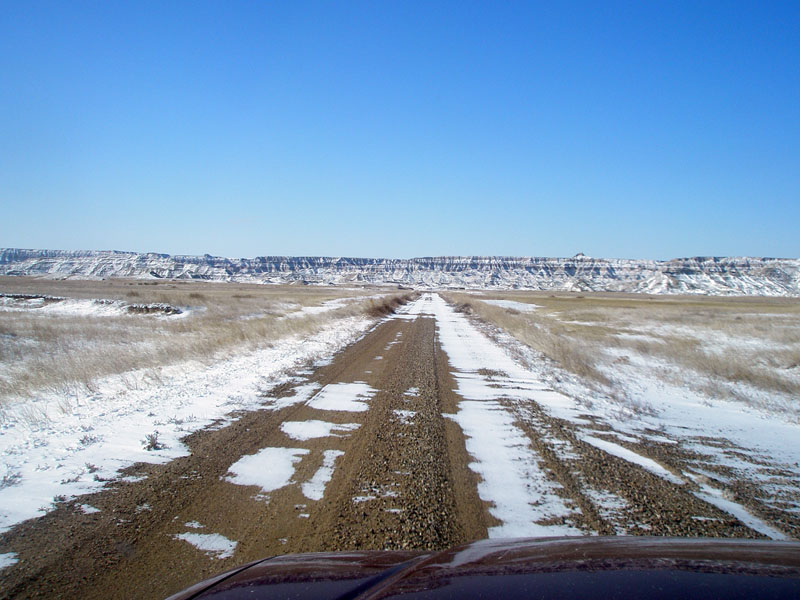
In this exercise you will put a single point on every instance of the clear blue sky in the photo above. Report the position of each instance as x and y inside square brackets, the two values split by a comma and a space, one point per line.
[398, 129]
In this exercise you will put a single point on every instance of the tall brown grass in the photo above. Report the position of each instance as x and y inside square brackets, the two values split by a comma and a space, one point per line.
[388, 305]
[732, 343]
[544, 334]
[40, 351]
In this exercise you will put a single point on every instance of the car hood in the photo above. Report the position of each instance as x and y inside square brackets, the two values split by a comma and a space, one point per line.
[591, 567]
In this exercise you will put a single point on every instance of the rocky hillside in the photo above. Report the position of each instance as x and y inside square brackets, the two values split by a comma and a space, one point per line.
[699, 275]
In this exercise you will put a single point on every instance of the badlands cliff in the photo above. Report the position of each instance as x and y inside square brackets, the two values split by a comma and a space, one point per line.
[698, 275]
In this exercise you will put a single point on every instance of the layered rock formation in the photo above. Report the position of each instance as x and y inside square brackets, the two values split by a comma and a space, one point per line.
[698, 275]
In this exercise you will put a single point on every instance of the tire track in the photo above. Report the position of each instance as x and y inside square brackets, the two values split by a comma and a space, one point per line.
[651, 505]
[405, 494]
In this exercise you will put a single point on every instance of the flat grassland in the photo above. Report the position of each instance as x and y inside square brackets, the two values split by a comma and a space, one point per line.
[742, 348]
[62, 335]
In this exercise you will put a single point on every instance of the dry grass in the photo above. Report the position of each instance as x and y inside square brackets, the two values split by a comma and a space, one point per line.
[388, 305]
[731, 343]
[544, 334]
[41, 352]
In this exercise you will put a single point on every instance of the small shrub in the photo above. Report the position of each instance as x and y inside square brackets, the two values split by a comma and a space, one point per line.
[387, 306]
[464, 308]
[153, 309]
[10, 479]
[151, 442]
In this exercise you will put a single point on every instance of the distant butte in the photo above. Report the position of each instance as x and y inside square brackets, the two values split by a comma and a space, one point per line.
[697, 275]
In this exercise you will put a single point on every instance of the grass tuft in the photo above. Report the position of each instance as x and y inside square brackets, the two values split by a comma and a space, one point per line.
[388, 306]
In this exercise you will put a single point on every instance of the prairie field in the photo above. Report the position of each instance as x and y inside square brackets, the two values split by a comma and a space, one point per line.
[63, 335]
[743, 348]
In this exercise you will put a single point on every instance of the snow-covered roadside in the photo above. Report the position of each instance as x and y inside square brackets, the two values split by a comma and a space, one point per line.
[513, 480]
[752, 363]
[751, 443]
[733, 441]
[520, 306]
[329, 305]
[53, 447]
[654, 393]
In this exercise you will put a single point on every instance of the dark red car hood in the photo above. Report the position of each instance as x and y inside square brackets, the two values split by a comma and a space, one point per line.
[592, 567]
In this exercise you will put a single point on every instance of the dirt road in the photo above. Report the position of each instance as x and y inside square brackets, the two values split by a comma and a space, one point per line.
[365, 452]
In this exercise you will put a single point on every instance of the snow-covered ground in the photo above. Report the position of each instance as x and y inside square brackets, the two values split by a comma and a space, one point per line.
[53, 447]
[750, 442]
[328, 305]
[520, 306]
[512, 477]
[81, 307]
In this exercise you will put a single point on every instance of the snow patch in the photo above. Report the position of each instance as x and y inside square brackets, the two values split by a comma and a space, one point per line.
[306, 430]
[213, 544]
[359, 499]
[269, 468]
[326, 306]
[716, 497]
[609, 505]
[8, 559]
[406, 417]
[350, 397]
[520, 306]
[314, 489]
[511, 478]
[632, 457]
